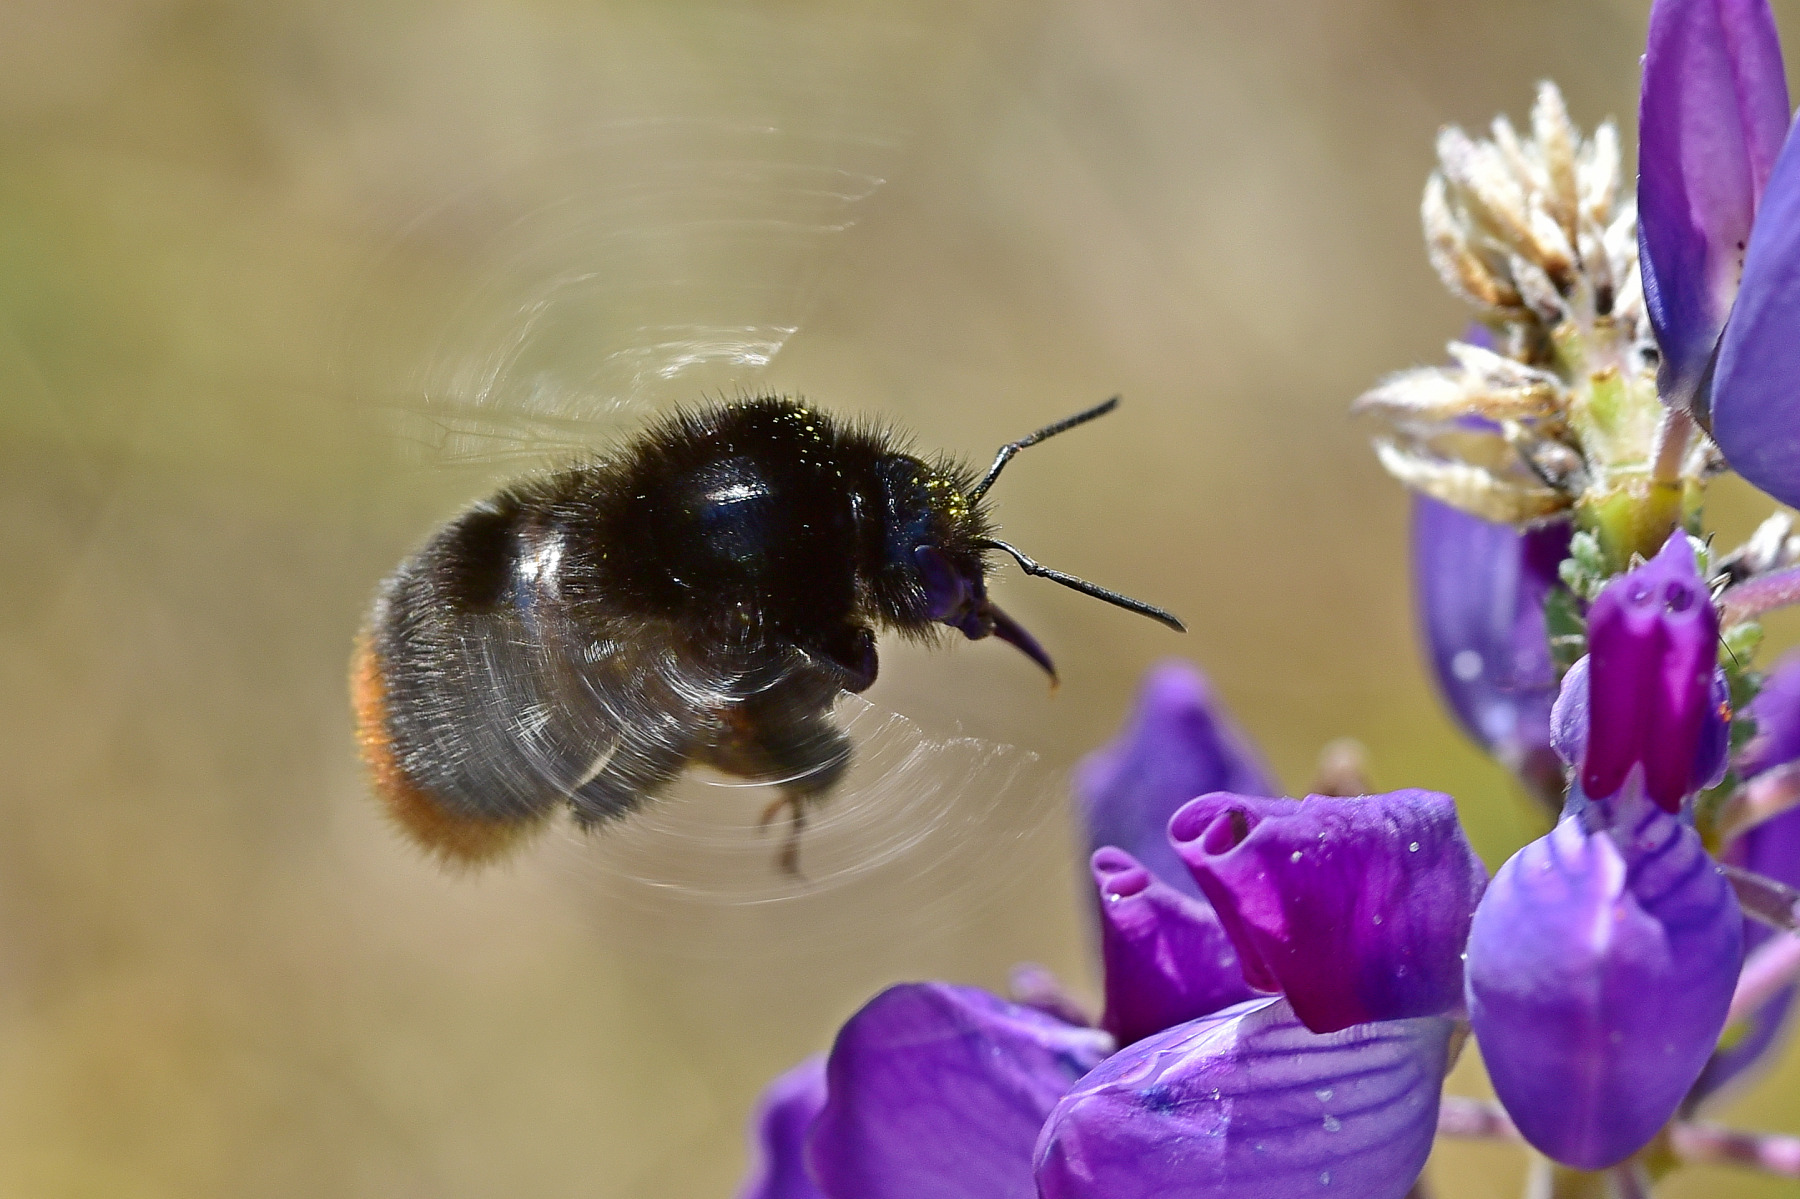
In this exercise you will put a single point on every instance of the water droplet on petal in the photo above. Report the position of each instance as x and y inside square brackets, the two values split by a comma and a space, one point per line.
[1333, 1124]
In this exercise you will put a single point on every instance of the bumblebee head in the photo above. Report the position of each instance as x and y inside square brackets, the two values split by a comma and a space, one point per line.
[952, 566]
[956, 595]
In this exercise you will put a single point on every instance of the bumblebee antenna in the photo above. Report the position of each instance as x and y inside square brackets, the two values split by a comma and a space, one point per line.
[1082, 585]
[1012, 447]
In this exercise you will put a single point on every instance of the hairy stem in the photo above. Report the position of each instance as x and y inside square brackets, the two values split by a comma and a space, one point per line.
[1691, 1144]
[1774, 965]
[1630, 1181]
[1765, 593]
[1475, 1120]
[1775, 904]
[1767, 1152]
[1672, 435]
[1768, 795]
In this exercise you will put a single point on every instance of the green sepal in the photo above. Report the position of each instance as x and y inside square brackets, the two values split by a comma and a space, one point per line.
[1566, 628]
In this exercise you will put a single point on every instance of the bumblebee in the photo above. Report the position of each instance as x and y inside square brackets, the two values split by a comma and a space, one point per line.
[700, 596]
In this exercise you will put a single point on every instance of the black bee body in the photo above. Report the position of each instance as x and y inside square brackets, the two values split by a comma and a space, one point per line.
[700, 596]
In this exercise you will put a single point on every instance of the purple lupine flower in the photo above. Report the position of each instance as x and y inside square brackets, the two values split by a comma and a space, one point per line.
[1776, 711]
[1771, 849]
[1178, 743]
[1601, 966]
[783, 1119]
[1711, 116]
[1653, 683]
[1254, 1100]
[1355, 909]
[1719, 221]
[948, 1091]
[1250, 1104]
[1602, 961]
[1480, 590]
[1166, 957]
[934, 1089]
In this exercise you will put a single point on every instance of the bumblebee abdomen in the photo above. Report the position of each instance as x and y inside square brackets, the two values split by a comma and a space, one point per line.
[483, 702]
[435, 823]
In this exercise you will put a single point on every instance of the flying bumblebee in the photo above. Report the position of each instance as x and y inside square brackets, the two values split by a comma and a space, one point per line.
[699, 596]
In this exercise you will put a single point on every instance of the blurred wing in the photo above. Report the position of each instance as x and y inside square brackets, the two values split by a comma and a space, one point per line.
[663, 262]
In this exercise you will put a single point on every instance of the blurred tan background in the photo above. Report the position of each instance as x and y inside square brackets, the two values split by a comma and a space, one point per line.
[234, 236]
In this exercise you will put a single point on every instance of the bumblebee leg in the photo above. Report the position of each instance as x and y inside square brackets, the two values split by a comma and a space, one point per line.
[851, 651]
[809, 757]
[788, 859]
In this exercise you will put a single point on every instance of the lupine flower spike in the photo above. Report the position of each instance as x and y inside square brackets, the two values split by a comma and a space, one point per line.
[1287, 981]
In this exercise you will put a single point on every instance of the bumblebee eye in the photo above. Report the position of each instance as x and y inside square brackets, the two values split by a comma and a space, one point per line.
[947, 593]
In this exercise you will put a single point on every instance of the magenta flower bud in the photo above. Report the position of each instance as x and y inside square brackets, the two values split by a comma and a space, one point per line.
[1167, 958]
[1651, 681]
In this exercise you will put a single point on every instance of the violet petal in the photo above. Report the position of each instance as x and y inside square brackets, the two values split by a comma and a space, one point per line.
[1711, 118]
[1480, 591]
[1601, 966]
[940, 1090]
[784, 1117]
[1355, 909]
[1756, 408]
[1652, 647]
[1178, 743]
[1248, 1104]
[1569, 718]
[1776, 711]
[1771, 849]
[1167, 959]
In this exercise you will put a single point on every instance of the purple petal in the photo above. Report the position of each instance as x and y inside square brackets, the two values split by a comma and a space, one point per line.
[1178, 743]
[1601, 966]
[1248, 1104]
[1355, 909]
[783, 1118]
[1167, 958]
[1771, 849]
[1711, 118]
[1652, 680]
[1756, 408]
[940, 1090]
[1569, 718]
[1776, 710]
[1480, 591]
